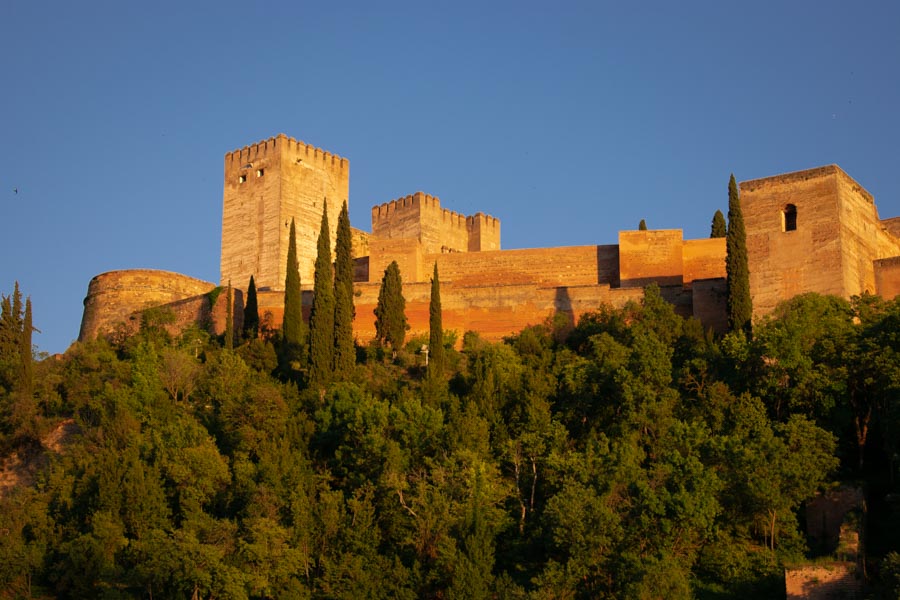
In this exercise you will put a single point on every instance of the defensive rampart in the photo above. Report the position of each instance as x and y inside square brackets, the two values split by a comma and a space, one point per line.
[545, 267]
[115, 301]
[811, 231]
[113, 297]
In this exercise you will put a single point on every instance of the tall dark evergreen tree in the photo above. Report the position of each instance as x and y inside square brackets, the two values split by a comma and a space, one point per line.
[10, 339]
[292, 326]
[390, 312]
[251, 312]
[436, 329]
[229, 318]
[719, 228]
[738, 302]
[344, 352]
[26, 384]
[321, 318]
[642, 226]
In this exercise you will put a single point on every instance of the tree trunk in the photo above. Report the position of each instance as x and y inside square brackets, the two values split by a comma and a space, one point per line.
[862, 432]
[772, 531]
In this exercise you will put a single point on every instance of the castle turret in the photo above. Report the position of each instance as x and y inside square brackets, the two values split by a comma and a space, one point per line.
[266, 185]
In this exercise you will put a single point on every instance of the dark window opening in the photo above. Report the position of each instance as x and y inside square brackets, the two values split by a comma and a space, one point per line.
[242, 179]
[260, 172]
[789, 218]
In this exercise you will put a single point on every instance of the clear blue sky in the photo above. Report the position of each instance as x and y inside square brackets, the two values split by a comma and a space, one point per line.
[568, 121]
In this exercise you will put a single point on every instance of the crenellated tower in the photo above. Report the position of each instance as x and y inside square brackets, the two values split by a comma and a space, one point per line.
[267, 184]
[420, 217]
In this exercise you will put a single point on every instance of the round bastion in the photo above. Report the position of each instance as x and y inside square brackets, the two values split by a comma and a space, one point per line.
[113, 297]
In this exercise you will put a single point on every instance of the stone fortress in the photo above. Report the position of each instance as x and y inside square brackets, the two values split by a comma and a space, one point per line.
[811, 231]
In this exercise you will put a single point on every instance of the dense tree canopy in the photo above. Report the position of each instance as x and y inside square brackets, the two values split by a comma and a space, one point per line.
[635, 457]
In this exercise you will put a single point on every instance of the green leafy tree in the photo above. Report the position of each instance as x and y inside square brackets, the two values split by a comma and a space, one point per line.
[642, 226]
[719, 228]
[738, 302]
[251, 312]
[321, 318]
[344, 351]
[435, 329]
[390, 312]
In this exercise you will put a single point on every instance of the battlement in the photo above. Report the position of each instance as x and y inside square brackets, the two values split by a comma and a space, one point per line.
[294, 149]
[421, 216]
[419, 200]
[482, 220]
[267, 184]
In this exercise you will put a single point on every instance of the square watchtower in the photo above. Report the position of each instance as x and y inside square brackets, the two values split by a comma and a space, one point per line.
[266, 185]
[811, 231]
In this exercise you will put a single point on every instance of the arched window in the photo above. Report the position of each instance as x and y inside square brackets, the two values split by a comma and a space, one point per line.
[789, 218]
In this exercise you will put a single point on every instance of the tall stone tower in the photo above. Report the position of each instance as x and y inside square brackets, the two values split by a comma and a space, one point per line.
[811, 231]
[267, 184]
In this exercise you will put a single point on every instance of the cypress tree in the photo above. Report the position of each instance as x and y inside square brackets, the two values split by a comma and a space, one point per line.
[436, 329]
[739, 304]
[292, 325]
[344, 352]
[17, 304]
[26, 383]
[390, 312]
[321, 319]
[229, 318]
[719, 228]
[10, 340]
[251, 312]
[642, 226]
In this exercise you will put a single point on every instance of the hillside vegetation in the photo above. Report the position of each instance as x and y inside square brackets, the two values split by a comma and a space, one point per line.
[630, 456]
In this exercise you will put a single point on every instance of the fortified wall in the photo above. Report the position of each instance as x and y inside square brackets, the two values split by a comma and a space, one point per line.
[497, 293]
[116, 300]
[816, 230]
